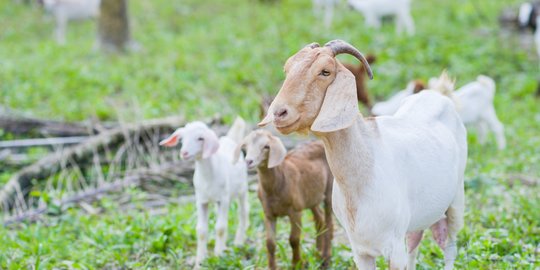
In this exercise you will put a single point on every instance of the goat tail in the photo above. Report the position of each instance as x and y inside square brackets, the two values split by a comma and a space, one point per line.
[488, 82]
[238, 130]
[444, 85]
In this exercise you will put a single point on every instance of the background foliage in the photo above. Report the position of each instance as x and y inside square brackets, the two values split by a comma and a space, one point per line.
[200, 58]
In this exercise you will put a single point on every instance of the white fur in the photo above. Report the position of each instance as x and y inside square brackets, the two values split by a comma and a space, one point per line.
[324, 9]
[474, 102]
[400, 175]
[524, 13]
[537, 36]
[391, 105]
[374, 10]
[68, 10]
[216, 180]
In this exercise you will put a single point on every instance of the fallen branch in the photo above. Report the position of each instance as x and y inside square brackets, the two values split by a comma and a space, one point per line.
[525, 180]
[52, 163]
[135, 178]
[24, 126]
[42, 142]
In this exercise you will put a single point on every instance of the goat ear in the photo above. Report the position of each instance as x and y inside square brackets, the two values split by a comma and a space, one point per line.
[340, 105]
[173, 139]
[237, 151]
[210, 144]
[277, 152]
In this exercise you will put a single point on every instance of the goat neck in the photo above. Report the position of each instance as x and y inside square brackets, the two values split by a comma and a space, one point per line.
[206, 167]
[349, 153]
[271, 179]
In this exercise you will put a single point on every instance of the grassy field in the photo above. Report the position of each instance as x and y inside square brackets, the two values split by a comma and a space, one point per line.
[202, 58]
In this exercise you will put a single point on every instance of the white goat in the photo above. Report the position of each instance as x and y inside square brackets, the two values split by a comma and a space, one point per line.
[529, 17]
[216, 179]
[391, 105]
[374, 10]
[537, 37]
[474, 102]
[325, 9]
[395, 176]
[67, 10]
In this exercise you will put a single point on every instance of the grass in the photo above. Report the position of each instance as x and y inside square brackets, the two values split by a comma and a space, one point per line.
[200, 58]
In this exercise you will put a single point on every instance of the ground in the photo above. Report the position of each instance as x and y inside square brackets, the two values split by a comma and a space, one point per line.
[201, 58]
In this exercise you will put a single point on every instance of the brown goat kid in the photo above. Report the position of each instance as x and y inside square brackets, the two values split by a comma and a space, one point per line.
[288, 184]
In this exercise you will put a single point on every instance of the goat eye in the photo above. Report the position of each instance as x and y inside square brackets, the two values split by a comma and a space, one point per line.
[325, 73]
[200, 139]
[266, 147]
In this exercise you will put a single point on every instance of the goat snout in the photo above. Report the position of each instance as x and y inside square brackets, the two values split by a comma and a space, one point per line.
[249, 162]
[184, 154]
[281, 113]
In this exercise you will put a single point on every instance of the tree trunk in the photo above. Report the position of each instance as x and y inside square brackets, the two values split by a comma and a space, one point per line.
[113, 26]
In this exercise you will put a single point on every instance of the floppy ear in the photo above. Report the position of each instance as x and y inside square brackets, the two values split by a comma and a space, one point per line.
[340, 105]
[173, 139]
[237, 151]
[277, 152]
[210, 144]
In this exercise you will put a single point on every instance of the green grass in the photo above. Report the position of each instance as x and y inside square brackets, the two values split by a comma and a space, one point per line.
[200, 58]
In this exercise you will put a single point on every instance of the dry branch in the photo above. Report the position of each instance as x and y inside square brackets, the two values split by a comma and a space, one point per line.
[54, 162]
[136, 177]
[23, 126]
[525, 180]
[42, 142]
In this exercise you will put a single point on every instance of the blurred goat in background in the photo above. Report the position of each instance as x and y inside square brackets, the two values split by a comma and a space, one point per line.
[68, 10]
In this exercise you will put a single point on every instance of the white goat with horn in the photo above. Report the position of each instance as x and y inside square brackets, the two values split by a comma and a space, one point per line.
[395, 176]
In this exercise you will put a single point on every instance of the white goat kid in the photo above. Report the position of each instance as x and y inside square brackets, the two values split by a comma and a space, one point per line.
[474, 102]
[216, 180]
[374, 10]
[68, 10]
[395, 176]
[391, 105]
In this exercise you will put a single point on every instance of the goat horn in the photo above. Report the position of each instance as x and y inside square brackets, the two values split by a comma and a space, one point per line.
[313, 45]
[340, 46]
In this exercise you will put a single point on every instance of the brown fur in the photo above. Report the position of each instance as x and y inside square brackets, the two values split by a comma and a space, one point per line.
[419, 85]
[302, 181]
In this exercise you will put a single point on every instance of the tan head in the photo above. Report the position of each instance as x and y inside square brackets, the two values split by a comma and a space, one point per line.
[318, 93]
[262, 149]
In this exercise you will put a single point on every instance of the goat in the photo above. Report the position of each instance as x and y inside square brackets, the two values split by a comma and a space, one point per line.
[391, 105]
[324, 8]
[474, 102]
[537, 37]
[67, 10]
[374, 10]
[359, 73]
[529, 18]
[288, 184]
[216, 179]
[527, 14]
[395, 176]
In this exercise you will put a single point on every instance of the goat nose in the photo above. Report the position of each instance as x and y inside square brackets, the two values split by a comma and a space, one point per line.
[281, 113]
[249, 162]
